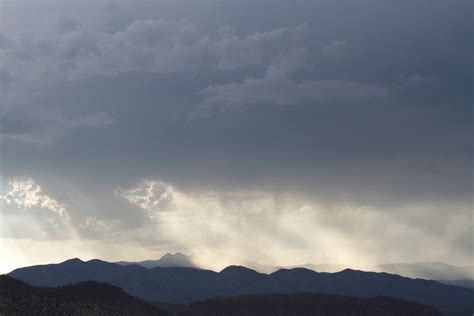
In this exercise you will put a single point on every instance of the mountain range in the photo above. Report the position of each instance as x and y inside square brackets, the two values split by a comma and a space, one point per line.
[445, 273]
[93, 298]
[185, 285]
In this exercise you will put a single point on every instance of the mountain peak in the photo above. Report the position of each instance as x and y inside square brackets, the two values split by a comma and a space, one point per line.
[96, 261]
[73, 260]
[235, 268]
[350, 270]
[175, 255]
[177, 259]
[354, 272]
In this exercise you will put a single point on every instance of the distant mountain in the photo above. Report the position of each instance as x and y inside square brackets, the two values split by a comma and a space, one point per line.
[304, 304]
[422, 270]
[430, 270]
[184, 285]
[264, 268]
[449, 274]
[323, 267]
[450, 300]
[259, 267]
[168, 260]
[463, 282]
[86, 298]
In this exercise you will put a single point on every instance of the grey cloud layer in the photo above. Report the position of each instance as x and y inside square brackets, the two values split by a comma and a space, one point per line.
[159, 46]
[277, 88]
[73, 51]
[43, 127]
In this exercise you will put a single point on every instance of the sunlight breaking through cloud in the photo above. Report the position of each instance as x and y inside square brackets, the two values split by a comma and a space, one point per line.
[26, 193]
[224, 227]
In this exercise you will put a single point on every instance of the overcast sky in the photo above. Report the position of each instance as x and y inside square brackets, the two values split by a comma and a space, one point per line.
[278, 132]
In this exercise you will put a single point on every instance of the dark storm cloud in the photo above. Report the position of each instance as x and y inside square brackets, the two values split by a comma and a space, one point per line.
[363, 109]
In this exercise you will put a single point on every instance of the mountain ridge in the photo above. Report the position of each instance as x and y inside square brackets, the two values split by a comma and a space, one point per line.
[307, 304]
[94, 298]
[184, 285]
[79, 299]
[177, 259]
[430, 270]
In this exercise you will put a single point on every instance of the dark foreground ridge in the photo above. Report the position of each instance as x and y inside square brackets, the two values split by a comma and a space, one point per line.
[93, 298]
[85, 298]
[305, 304]
[186, 285]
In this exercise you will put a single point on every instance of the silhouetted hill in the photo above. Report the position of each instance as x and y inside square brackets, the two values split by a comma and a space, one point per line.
[86, 298]
[305, 304]
[76, 270]
[422, 270]
[235, 280]
[430, 270]
[463, 282]
[449, 299]
[185, 285]
[168, 260]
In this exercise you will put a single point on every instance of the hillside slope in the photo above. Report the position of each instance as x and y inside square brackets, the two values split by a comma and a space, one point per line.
[304, 304]
[81, 299]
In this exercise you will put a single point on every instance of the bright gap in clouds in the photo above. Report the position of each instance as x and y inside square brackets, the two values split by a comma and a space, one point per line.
[218, 229]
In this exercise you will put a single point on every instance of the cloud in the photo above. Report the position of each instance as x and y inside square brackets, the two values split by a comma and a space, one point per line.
[26, 194]
[152, 45]
[43, 127]
[36, 59]
[416, 80]
[272, 227]
[335, 49]
[91, 120]
[151, 195]
[27, 211]
[278, 88]
[221, 221]
[160, 197]
[94, 222]
[92, 226]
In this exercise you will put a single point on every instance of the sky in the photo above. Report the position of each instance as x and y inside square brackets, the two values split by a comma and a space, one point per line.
[281, 132]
